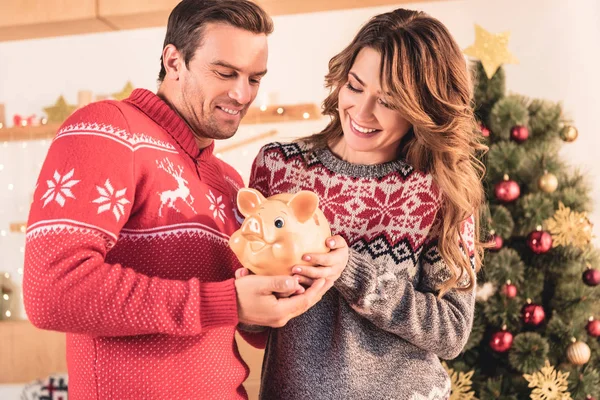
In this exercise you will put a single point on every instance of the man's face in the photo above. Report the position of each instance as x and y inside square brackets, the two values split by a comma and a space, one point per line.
[222, 80]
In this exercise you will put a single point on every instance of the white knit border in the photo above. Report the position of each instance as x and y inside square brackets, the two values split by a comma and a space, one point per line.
[134, 141]
[190, 228]
[43, 228]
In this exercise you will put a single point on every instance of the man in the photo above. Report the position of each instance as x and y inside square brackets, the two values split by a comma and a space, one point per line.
[127, 237]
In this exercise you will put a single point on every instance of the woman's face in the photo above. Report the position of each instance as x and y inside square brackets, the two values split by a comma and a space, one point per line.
[372, 130]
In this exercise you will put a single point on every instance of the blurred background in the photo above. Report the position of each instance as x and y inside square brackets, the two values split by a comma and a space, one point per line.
[85, 50]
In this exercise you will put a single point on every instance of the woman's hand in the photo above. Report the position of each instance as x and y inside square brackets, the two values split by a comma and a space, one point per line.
[328, 265]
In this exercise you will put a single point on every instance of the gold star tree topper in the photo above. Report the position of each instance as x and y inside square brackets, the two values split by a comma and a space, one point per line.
[569, 228]
[60, 111]
[461, 384]
[123, 94]
[491, 49]
[549, 384]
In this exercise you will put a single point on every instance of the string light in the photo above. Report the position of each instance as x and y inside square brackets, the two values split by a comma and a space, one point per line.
[263, 107]
[1, 125]
[22, 249]
[44, 121]
[2, 233]
[306, 115]
[1, 167]
[20, 271]
[6, 274]
[8, 313]
[280, 110]
[11, 186]
[5, 297]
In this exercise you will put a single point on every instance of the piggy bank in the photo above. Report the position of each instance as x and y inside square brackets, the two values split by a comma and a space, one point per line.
[278, 231]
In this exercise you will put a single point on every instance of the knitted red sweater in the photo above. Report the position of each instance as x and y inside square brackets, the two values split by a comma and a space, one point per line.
[127, 252]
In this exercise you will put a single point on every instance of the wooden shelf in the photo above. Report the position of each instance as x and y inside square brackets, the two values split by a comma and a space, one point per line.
[27, 19]
[290, 113]
[21, 133]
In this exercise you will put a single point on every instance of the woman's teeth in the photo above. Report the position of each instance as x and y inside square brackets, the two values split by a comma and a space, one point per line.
[360, 128]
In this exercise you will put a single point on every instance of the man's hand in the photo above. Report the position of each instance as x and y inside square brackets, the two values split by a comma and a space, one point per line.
[258, 303]
[328, 265]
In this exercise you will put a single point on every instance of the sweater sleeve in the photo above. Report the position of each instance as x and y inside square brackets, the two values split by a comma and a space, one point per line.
[417, 315]
[85, 194]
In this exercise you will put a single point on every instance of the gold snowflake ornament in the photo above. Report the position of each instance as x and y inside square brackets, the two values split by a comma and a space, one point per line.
[461, 384]
[549, 384]
[569, 228]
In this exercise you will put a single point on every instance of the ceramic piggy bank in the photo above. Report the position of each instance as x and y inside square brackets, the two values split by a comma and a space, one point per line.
[278, 231]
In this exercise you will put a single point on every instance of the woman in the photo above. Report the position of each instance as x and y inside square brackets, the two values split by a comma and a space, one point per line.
[398, 179]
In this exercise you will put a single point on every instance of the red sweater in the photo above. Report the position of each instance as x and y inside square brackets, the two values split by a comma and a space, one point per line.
[127, 252]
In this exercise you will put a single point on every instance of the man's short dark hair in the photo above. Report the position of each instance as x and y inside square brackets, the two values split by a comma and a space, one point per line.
[189, 18]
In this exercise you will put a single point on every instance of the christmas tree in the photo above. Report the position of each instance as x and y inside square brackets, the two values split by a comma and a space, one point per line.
[534, 334]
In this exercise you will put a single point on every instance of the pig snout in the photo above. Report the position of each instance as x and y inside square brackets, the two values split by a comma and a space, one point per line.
[252, 226]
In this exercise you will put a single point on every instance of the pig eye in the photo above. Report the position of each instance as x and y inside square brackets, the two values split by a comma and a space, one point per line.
[279, 222]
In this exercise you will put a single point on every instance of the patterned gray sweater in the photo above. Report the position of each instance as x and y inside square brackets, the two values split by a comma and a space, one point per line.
[380, 331]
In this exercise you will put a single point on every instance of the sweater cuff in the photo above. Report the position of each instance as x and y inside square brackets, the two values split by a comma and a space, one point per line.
[218, 304]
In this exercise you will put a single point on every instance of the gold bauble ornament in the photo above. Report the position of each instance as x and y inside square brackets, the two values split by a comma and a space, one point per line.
[578, 353]
[548, 182]
[569, 133]
[491, 49]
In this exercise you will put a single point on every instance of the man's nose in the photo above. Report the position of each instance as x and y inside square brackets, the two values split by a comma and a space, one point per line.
[241, 92]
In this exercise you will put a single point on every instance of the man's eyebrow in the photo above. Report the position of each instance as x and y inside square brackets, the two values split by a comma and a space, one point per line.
[225, 64]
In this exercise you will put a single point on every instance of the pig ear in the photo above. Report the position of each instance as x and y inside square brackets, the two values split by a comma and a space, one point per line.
[304, 204]
[248, 201]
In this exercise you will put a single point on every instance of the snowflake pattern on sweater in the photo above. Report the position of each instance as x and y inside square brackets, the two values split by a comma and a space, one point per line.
[379, 332]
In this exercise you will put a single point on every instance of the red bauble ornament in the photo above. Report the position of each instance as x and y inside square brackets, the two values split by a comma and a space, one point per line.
[591, 277]
[533, 314]
[485, 132]
[496, 243]
[507, 190]
[509, 290]
[519, 133]
[593, 328]
[539, 241]
[501, 341]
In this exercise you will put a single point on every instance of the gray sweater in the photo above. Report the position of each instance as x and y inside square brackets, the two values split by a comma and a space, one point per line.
[380, 331]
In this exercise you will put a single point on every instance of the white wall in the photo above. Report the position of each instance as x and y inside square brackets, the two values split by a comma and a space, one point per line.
[556, 41]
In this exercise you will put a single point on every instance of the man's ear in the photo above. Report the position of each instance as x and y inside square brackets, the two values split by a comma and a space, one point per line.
[173, 62]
